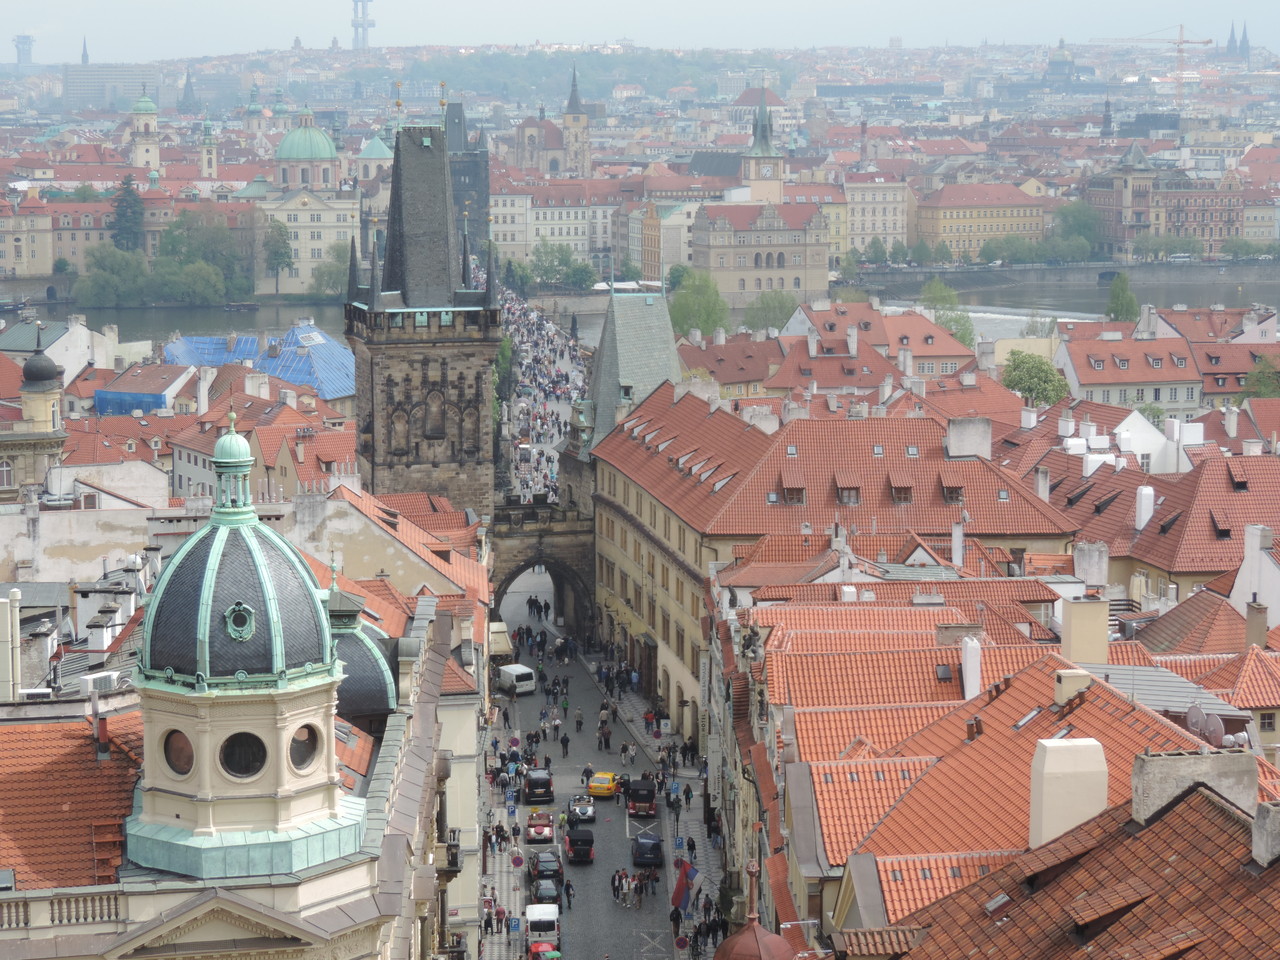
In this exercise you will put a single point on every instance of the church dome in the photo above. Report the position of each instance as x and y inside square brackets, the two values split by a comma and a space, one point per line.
[754, 942]
[237, 602]
[144, 104]
[307, 142]
[39, 369]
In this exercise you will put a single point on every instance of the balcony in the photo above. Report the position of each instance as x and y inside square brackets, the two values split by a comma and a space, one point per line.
[449, 856]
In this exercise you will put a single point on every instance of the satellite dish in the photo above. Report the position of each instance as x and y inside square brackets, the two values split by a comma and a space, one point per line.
[1195, 718]
[1241, 739]
[1213, 731]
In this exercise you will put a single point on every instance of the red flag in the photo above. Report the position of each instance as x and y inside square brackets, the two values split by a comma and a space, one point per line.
[680, 896]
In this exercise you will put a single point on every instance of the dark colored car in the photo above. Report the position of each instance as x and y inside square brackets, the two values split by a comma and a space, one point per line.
[538, 787]
[580, 846]
[646, 851]
[544, 890]
[642, 798]
[545, 864]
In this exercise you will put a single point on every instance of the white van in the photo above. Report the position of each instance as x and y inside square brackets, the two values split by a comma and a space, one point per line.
[542, 923]
[515, 679]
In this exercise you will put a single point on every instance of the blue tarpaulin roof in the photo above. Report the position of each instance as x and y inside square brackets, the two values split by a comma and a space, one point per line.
[305, 355]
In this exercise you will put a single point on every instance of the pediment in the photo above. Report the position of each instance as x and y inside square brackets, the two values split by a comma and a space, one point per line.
[217, 923]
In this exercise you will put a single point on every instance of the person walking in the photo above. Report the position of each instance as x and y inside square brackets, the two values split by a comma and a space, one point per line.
[587, 773]
[577, 718]
[706, 907]
[488, 922]
[688, 795]
[506, 719]
[568, 894]
[691, 845]
[675, 917]
[564, 745]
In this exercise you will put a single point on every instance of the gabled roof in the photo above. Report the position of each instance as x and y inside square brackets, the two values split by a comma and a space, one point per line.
[1202, 623]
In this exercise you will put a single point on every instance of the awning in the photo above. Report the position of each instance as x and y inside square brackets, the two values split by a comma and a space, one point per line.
[648, 640]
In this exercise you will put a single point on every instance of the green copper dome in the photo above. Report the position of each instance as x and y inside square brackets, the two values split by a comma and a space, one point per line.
[144, 104]
[306, 143]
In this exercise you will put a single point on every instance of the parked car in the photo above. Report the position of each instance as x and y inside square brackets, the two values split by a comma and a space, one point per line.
[604, 784]
[538, 787]
[544, 890]
[541, 828]
[584, 807]
[580, 846]
[646, 851]
[545, 864]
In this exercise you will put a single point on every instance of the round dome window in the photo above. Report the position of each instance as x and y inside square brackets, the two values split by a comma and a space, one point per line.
[178, 752]
[303, 747]
[243, 755]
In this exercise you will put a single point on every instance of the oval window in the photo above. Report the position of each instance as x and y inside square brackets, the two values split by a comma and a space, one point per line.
[178, 752]
[243, 755]
[303, 747]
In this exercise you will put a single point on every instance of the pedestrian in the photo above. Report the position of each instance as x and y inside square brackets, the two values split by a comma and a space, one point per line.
[577, 718]
[691, 845]
[615, 884]
[546, 763]
[488, 921]
[506, 719]
[706, 907]
[568, 894]
[564, 745]
[688, 795]
[587, 774]
[675, 916]
[500, 919]
[607, 734]
[494, 743]
[704, 931]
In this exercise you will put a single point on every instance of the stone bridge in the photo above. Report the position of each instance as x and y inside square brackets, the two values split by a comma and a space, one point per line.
[526, 536]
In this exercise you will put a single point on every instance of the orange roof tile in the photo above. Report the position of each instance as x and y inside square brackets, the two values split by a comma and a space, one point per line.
[1202, 623]
[853, 795]
[910, 883]
[827, 733]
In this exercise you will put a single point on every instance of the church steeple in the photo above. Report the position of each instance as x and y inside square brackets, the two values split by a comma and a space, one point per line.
[762, 129]
[575, 103]
[1232, 48]
[84, 52]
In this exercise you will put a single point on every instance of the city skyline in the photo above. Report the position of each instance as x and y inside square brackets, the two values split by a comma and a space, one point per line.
[241, 27]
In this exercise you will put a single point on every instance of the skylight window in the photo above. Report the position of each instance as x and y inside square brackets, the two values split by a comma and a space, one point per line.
[1027, 718]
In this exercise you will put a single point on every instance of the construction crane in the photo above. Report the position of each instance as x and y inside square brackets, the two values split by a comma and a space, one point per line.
[1180, 42]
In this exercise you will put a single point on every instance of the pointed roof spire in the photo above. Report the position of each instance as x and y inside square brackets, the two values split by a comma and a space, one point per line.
[375, 281]
[482, 142]
[762, 129]
[466, 255]
[1232, 48]
[84, 50]
[575, 103]
[353, 274]
[420, 239]
[491, 276]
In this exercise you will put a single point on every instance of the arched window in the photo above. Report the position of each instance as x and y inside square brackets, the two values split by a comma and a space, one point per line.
[324, 174]
[769, 283]
[759, 262]
[6, 473]
[782, 258]
[768, 259]
[306, 174]
[795, 282]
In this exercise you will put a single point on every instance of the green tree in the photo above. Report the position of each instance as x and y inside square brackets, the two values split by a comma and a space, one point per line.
[112, 278]
[942, 253]
[550, 261]
[84, 193]
[899, 253]
[1034, 378]
[62, 265]
[1122, 305]
[676, 276]
[849, 266]
[991, 251]
[1263, 381]
[188, 239]
[1238, 248]
[579, 276]
[947, 313]
[629, 272]
[698, 304]
[1146, 246]
[1078, 219]
[875, 252]
[1038, 326]
[849, 295]
[127, 212]
[329, 278]
[517, 278]
[773, 308]
[278, 250]
[922, 253]
[1154, 413]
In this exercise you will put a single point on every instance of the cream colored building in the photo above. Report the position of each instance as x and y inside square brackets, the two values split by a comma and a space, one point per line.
[881, 206]
[315, 223]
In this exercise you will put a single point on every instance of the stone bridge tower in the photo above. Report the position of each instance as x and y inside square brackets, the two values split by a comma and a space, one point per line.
[424, 342]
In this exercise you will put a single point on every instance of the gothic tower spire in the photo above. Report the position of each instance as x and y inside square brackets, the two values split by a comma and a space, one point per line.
[84, 51]
[575, 103]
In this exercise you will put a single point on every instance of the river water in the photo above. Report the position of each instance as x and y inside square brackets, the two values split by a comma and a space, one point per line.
[159, 324]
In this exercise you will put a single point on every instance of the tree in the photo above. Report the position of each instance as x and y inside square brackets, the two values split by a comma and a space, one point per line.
[676, 276]
[698, 304]
[62, 265]
[773, 308]
[1263, 381]
[942, 253]
[991, 251]
[944, 303]
[922, 253]
[849, 266]
[1078, 219]
[628, 271]
[899, 253]
[1154, 413]
[550, 261]
[579, 276]
[127, 216]
[188, 239]
[1034, 378]
[1122, 305]
[330, 275]
[112, 278]
[1038, 326]
[278, 250]
[875, 252]
[84, 193]
[1147, 246]
[1238, 248]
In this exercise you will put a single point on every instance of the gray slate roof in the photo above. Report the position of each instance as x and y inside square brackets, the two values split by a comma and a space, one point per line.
[1162, 690]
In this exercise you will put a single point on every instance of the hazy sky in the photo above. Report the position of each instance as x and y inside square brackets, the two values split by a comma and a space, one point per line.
[130, 30]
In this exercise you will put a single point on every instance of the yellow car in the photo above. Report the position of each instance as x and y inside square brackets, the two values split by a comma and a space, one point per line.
[604, 785]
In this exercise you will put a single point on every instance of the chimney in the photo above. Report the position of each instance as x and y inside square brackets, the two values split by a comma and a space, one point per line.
[1067, 683]
[289, 398]
[1255, 625]
[812, 339]
[886, 389]
[957, 544]
[1160, 778]
[695, 337]
[851, 339]
[969, 437]
[1172, 429]
[1251, 448]
[969, 379]
[1144, 506]
[1266, 834]
[204, 379]
[1093, 562]
[1042, 483]
[1066, 426]
[905, 363]
[914, 385]
[717, 337]
[1029, 418]
[951, 634]
[1231, 420]
[1068, 786]
[1085, 629]
[971, 664]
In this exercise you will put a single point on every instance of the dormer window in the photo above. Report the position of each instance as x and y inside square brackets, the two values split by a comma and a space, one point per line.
[878, 450]
[1214, 359]
[953, 495]
[1123, 364]
[792, 450]
[901, 494]
[1155, 361]
[929, 338]
[849, 496]
[1097, 364]
[1179, 361]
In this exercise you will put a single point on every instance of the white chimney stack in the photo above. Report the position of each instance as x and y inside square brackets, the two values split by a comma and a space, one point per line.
[1068, 786]
[1144, 506]
[1028, 418]
[957, 544]
[1231, 420]
[971, 666]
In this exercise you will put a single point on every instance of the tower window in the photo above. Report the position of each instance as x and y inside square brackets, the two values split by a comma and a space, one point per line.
[303, 747]
[243, 755]
[178, 752]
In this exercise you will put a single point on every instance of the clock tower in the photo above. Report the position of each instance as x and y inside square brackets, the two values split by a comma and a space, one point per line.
[762, 164]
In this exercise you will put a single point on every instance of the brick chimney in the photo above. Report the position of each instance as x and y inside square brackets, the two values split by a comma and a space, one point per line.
[1068, 786]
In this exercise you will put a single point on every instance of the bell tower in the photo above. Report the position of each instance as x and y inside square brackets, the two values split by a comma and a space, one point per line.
[144, 135]
[762, 164]
[424, 340]
[208, 153]
[577, 133]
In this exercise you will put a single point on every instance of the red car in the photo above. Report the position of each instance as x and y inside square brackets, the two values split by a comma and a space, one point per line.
[540, 829]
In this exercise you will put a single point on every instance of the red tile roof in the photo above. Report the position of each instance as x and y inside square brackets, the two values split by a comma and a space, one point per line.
[828, 733]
